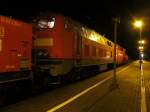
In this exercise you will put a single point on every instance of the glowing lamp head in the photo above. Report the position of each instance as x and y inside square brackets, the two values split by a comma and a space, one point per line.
[141, 47]
[142, 42]
[138, 23]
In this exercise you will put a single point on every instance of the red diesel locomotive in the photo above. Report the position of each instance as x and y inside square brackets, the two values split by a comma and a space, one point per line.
[52, 49]
[62, 46]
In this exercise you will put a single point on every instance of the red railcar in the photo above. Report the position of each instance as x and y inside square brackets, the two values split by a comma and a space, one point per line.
[62, 45]
[15, 50]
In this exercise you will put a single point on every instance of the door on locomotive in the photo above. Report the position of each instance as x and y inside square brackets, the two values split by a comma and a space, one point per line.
[78, 44]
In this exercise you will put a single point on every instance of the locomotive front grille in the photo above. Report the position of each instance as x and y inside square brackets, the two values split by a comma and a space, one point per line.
[40, 53]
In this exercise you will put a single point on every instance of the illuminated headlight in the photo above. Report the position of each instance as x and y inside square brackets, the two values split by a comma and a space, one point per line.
[45, 53]
[42, 53]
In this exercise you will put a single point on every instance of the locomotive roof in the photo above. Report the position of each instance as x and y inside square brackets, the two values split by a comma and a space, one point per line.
[11, 21]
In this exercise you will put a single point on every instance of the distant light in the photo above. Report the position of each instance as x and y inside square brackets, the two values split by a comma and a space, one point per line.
[142, 42]
[142, 55]
[141, 47]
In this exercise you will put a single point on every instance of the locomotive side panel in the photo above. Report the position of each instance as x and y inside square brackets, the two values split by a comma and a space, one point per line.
[95, 53]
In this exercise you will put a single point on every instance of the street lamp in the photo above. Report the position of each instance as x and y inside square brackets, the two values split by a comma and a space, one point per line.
[138, 24]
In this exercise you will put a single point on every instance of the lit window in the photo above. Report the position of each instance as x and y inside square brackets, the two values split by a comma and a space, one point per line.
[51, 23]
[42, 23]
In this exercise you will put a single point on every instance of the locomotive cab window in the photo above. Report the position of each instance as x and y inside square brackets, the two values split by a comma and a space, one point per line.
[46, 23]
[67, 25]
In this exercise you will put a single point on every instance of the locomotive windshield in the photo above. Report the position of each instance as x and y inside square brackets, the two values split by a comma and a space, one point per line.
[46, 23]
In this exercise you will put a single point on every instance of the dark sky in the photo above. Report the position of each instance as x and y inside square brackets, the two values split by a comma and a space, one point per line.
[96, 14]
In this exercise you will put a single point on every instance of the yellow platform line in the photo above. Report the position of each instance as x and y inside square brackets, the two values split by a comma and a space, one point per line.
[81, 93]
[143, 95]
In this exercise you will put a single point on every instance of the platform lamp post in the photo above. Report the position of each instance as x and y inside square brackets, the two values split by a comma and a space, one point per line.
[116, 22]
[138, 24]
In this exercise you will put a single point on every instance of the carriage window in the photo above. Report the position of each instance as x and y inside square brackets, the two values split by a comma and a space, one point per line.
[100, 51]
[111, 54]
[86, 50]
[67, 25]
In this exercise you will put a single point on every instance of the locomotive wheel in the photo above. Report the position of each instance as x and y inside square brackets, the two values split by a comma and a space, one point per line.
[46, 84]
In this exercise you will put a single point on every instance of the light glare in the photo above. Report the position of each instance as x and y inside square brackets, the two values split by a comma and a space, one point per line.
[138, 23]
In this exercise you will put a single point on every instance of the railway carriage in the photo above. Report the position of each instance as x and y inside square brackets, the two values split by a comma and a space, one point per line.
[15, 50]
[15, 56]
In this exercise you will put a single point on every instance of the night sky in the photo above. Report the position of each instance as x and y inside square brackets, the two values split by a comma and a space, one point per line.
[96, 14]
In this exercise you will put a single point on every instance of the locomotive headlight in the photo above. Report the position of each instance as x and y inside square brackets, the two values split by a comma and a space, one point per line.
[40, 53]
[45, 53]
